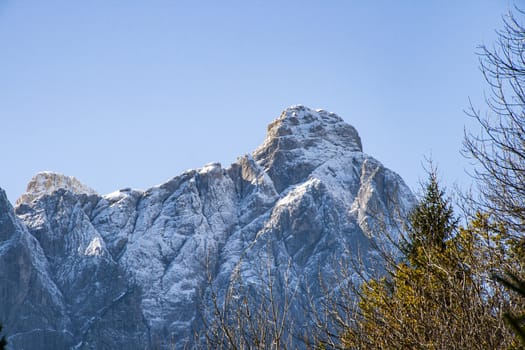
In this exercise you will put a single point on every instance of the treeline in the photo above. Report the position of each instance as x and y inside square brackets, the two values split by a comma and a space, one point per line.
[456, 280]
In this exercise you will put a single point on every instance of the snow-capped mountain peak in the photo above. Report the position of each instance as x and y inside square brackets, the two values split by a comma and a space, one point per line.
[47, 182]
[130, 269]
[302, 139]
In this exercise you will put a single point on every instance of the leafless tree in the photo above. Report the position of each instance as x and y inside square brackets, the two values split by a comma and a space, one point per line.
[499, 149]
[250, 314]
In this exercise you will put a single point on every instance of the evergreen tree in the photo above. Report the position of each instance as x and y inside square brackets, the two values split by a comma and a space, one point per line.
[440, 295]
[431, 222]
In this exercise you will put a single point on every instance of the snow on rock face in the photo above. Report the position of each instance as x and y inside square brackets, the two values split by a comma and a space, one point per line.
[32, 307]
[133, 266]
[47, 182]
[311, 127]
[95, 247]
[300, 140]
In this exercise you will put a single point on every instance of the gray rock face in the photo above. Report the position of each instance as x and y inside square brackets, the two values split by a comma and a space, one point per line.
[31, 304]
[129, 269]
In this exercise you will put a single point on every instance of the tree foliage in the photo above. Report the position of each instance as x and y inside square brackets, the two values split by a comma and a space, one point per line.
[440, 295]
[431, 222]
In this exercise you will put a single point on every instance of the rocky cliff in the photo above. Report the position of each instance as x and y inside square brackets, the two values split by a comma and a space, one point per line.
[130, 269]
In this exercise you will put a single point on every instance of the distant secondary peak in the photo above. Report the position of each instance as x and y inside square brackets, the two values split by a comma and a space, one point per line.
[47, 182]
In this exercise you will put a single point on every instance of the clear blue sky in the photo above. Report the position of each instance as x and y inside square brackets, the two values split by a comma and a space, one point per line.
[132, 93]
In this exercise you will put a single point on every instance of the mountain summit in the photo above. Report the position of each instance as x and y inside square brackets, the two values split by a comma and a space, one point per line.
[132, 269]
[300, 140]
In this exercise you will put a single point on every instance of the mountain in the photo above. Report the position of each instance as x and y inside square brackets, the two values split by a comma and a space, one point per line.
[132, 269]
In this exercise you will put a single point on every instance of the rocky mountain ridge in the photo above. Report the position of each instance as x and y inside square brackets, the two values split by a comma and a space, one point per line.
[130, 269]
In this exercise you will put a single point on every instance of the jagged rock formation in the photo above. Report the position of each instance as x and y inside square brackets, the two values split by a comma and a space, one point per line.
[48, 182]
[129, 269]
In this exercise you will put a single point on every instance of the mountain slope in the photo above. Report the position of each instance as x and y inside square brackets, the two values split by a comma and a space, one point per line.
[129, 269]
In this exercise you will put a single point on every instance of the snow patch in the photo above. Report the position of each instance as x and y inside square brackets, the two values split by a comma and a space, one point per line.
[95, 247]
[114, 196]
[297, 192]
[210, 168]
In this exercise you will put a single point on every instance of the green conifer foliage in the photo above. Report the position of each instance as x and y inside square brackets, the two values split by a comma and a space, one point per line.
[441, 295]
[431, 222]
